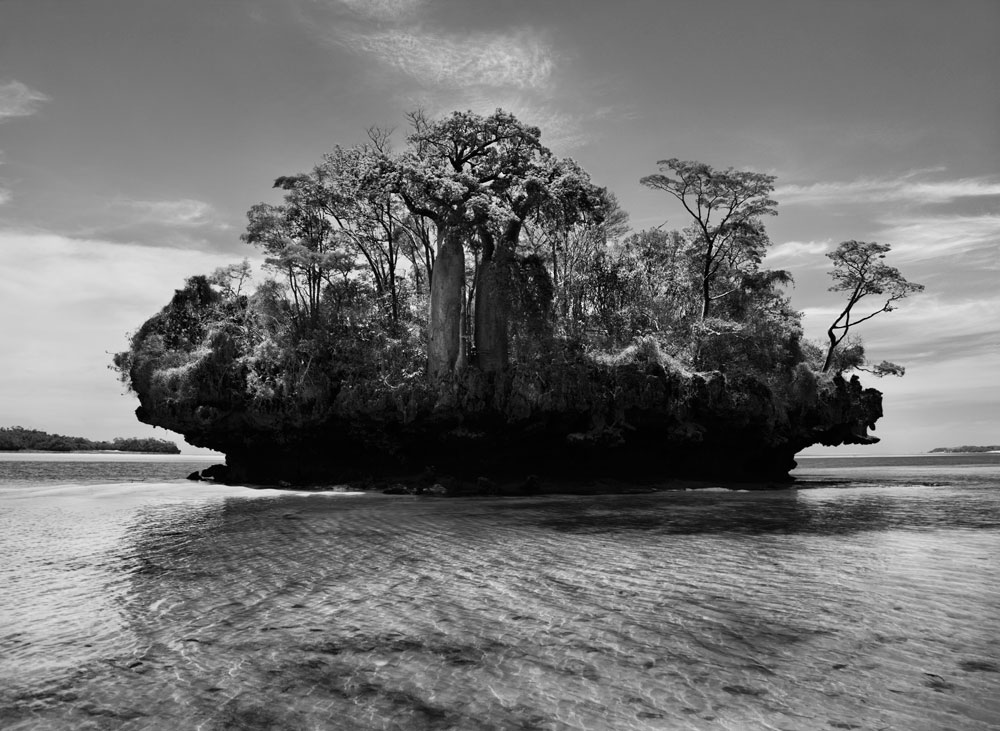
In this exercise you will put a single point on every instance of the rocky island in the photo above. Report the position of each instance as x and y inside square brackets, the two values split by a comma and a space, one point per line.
[477, 307]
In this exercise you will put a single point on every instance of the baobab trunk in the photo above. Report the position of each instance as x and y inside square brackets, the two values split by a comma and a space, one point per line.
[491, 315]
[493, 301]
[445, 341]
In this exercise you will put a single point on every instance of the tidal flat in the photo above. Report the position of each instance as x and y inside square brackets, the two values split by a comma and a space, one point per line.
[866, 599]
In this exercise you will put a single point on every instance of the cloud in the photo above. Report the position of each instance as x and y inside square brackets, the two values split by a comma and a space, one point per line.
[926, 328]
[519, 59]
[561, 131]
[19, 100]
[440, 71]
[5, 195]
[791, 250]
[65, 305]
[180, 224]
[919, 238]
[512, 70]
[183, 212]
[906, 188]
[383, 10]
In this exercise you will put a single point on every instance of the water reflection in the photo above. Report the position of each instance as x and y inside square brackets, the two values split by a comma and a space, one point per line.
[796, 609]
[812, 512]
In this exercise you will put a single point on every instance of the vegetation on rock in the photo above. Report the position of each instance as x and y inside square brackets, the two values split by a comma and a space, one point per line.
[474, 302]
[858, 269]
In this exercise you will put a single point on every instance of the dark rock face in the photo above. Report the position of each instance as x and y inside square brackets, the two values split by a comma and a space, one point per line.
[637, 421]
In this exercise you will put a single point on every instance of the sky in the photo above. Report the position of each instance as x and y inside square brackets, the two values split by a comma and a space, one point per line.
[134, 136]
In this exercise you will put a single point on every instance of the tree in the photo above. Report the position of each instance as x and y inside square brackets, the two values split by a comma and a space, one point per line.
[726, 206]
[859, 270]
[568, 237]
[353, 188]
[231, 278]
[455, 173]
[556, 189]
[301, 244]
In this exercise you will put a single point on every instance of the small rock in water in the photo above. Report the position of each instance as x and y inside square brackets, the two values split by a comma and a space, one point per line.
[217, 472]
[196, 476]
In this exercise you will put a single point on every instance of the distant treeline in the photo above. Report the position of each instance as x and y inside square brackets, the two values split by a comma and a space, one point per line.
[17, 438]
[967, 448]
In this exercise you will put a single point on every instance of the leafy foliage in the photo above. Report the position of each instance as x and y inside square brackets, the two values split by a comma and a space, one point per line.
[726, 206]
[858, 269]
[390, 272]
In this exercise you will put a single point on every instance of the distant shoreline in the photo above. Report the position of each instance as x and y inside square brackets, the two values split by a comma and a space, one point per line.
[966, 449]
[20, 439]
[89, 451]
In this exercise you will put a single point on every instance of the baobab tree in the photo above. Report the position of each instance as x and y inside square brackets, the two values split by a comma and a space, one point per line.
[452, 174]
[859, 270]
[477, 177]
[547, 186]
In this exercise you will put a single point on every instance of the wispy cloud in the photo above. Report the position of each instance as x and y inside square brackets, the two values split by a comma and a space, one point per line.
[384, 10]
[926, 237]
[5, 195]
[184, 212]
[19, 100]
[517, 59]
[441, 70]
[927, 327]
[791, 250]
[911, 188]
[182, 223]
[561, 131]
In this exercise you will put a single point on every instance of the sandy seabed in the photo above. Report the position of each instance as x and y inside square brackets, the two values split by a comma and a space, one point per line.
[166, 605]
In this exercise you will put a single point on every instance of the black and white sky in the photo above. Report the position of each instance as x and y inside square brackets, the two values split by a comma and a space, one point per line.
[135, 135]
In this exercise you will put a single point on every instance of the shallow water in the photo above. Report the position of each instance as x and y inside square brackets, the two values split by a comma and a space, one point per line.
[868, 600]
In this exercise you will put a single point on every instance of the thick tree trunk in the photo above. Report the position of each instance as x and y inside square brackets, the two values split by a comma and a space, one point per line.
[493, 301]
[444, 346]
[491, 316]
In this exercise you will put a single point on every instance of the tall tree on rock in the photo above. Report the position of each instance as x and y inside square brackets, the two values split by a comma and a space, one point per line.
[556, 190]
[456, 173]
[352, 188]
[726, 206]
[301, 244]
[858, 269]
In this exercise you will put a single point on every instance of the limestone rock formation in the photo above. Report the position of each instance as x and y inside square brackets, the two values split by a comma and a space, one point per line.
[633, 421]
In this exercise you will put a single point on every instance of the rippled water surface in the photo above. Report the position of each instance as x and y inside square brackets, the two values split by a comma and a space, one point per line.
[868, 599]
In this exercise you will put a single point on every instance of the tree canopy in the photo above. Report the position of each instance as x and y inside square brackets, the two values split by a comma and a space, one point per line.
[727, 206]
[474, 249]
[858, 269]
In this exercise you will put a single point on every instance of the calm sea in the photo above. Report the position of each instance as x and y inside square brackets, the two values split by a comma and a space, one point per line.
[868, 598]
